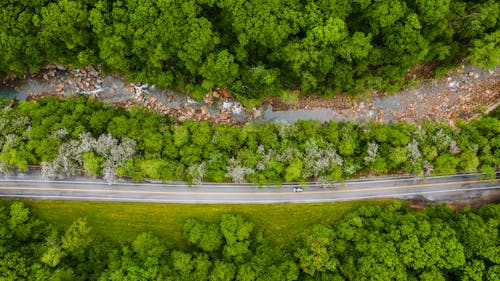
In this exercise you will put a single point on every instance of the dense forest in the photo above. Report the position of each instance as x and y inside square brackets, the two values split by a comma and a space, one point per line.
[255, 48]
[395, 243]
[85, 136]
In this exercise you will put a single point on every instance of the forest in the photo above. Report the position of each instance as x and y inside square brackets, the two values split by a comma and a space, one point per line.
[76, 136]
[254, 48]
[370, 243]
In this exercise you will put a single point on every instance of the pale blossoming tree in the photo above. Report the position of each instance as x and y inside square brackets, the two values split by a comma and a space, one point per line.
[69, 159]
[237, 172]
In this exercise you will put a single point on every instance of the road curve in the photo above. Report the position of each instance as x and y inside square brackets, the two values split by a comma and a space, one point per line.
[31, 186]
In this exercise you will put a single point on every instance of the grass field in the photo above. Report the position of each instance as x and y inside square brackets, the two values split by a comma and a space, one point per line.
[123, 221]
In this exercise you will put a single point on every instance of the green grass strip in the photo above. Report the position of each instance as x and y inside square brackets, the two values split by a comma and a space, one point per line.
[123, 221]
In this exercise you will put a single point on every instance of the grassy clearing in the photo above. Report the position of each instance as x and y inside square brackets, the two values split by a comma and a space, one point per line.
[123, 221]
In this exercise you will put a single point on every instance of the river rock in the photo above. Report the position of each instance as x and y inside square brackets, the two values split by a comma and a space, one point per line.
[204, 110]
[256, 113]
[91, 71]
[129, 89]
[59, 87]
[32, 96]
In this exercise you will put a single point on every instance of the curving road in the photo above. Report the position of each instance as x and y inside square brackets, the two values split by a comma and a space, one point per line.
[440, 188]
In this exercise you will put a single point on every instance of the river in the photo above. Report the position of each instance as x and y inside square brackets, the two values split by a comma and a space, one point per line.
[456, 95]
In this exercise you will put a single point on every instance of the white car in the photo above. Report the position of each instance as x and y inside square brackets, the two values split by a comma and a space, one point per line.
[297, 189]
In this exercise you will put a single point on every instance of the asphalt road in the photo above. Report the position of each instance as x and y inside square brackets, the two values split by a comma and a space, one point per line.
[31, 186]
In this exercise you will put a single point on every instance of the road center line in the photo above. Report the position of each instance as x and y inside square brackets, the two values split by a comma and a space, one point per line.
[232, 201]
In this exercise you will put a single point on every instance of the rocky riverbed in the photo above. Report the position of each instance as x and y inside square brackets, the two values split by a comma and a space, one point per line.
[462, 93]
[217, 106]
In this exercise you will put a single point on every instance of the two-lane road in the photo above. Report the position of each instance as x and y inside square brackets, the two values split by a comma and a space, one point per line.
[31, 186]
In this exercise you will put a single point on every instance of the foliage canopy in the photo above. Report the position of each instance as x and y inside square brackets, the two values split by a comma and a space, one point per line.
[255, 48]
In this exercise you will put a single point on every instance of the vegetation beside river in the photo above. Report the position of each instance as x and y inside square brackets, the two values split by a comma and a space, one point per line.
[84, 136]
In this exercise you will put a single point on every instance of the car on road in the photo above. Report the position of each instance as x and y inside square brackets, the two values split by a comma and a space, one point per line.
[297, 189]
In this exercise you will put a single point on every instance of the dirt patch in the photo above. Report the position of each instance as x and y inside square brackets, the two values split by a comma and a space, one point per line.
[423, 71]
[475, 199]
